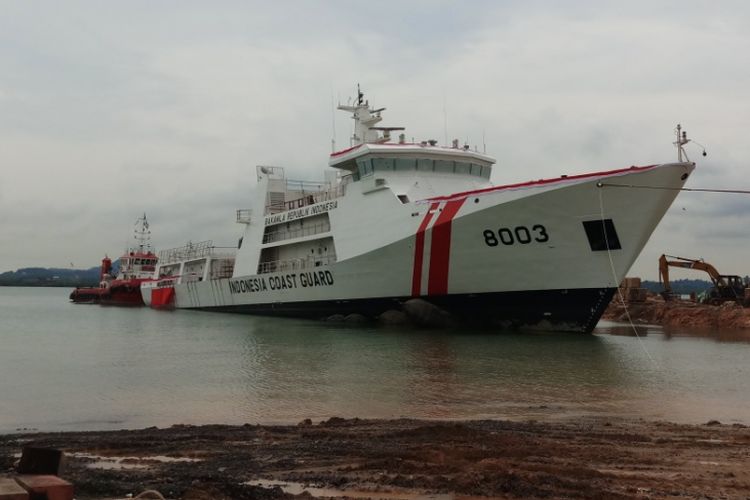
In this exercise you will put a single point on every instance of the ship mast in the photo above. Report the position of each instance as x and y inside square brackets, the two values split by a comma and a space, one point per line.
[364, 120]
[680, 142]
[142, 235]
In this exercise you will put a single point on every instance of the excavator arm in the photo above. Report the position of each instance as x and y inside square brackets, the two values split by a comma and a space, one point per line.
[666, 261]
[685, 263]
[664, 275]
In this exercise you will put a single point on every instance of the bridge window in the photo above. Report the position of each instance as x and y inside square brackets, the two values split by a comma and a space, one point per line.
[444, 166]
[424, 165]
[406, 164]
[365, 167]
[462, 168]
[382, 164]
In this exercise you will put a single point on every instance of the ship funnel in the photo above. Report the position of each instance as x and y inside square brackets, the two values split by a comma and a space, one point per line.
[106, 267]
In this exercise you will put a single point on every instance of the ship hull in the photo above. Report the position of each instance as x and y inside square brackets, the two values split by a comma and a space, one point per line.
[535, 256]
[88, 295]
[124, 293]
[118, 293]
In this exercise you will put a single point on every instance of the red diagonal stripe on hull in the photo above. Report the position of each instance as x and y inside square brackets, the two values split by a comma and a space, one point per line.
[162, 297]
[440, 249]
[416, 277]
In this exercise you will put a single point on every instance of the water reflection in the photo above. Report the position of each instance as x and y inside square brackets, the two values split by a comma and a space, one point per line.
[716, 335]
[624, 330]
[670, 332]
[78, 367]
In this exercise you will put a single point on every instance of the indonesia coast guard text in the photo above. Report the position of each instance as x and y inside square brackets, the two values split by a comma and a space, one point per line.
[259, 284]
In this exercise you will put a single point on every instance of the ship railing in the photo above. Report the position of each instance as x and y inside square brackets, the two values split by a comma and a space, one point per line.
[279, 266]
[310, 195]
[296, 233]
[193, 251]
[275, 173]
[191, 277]
[307, 186]
[222, 268]
[186, 252]
[244, 215]
[313, 198]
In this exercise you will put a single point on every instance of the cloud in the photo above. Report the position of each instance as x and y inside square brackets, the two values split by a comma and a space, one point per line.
[108, 110]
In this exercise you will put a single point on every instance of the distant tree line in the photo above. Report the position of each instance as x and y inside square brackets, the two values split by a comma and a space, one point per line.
[682, 287]
[50, 276]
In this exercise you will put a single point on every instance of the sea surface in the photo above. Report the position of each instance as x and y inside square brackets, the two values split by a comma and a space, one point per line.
[68, 366]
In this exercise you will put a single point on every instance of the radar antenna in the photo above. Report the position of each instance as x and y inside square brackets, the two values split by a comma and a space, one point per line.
[365, 121]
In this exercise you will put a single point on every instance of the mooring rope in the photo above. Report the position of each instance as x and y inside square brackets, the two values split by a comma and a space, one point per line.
[614, 277]
[150, 494]
[666, 188]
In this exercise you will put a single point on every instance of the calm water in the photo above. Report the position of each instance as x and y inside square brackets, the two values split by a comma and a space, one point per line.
[70, 367]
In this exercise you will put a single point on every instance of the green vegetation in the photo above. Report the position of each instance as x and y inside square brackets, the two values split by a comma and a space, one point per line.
[41, 276]
[680, 287]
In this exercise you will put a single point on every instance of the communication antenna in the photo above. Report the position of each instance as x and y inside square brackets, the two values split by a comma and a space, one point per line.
[484, 143]
[333, 124]
[445, 121]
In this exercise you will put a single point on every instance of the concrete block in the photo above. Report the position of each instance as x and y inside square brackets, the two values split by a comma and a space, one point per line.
[11, 490]
[37, 460]
[52, 486]
[636, 294]
[631, 283]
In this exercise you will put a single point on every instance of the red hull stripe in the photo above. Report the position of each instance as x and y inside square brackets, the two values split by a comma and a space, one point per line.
[540, 182]
[440, 249]
[344, 151]
[162, 297]
[416, 278]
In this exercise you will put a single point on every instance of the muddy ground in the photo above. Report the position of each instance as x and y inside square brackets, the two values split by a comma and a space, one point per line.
[680, 313]
[601, 458]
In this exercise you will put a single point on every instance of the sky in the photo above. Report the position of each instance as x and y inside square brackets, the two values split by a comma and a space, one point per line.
[112, 109]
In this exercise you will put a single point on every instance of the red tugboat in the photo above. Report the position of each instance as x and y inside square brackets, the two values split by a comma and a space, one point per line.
[136, 265]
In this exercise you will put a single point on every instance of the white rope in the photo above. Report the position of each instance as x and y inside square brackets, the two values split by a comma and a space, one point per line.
[617, 284]
[153, 494]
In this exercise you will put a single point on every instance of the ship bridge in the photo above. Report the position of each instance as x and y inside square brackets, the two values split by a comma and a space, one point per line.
[378, 162]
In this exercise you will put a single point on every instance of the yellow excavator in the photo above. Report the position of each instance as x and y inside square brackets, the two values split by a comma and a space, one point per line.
[727, 287]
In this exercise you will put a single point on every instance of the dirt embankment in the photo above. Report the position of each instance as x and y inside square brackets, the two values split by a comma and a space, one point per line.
[680, 313]
[585, 458]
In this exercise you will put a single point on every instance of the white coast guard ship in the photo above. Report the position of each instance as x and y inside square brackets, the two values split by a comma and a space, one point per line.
[395, 221]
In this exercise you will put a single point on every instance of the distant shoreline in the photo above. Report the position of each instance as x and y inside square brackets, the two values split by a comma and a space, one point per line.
[46, 285]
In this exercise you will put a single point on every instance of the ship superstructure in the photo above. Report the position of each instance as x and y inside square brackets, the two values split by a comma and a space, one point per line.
[394, 221]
